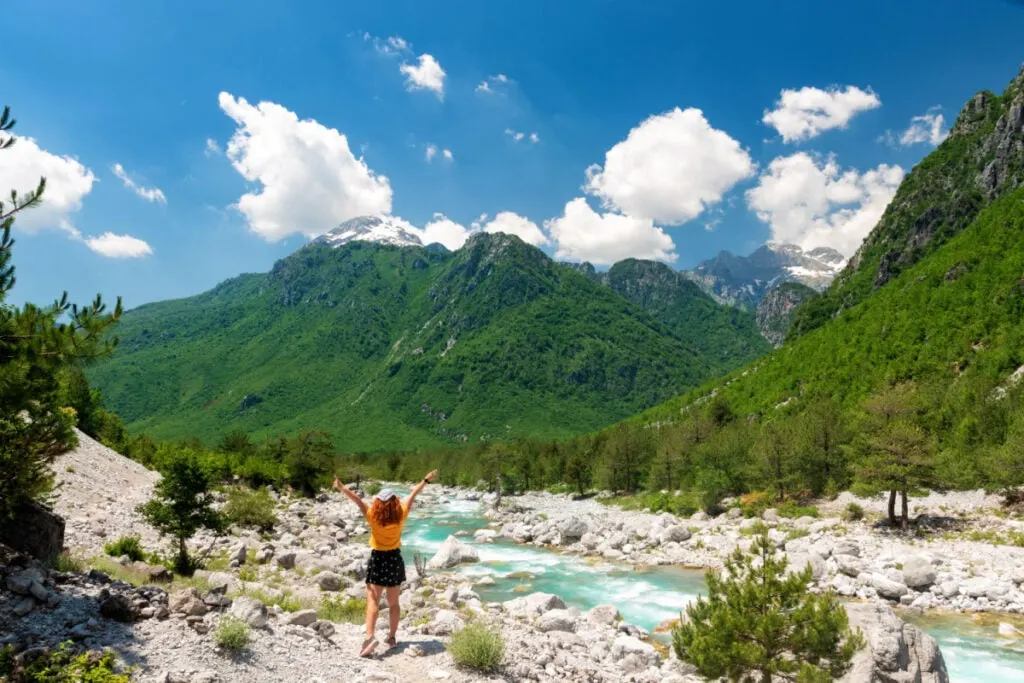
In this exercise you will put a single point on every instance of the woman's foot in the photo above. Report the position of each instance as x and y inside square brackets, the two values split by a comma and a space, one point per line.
[369, 645]
[390, 643]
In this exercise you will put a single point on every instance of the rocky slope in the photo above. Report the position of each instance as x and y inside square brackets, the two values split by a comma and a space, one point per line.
[403, 347]
[774, 314]
[980, 161]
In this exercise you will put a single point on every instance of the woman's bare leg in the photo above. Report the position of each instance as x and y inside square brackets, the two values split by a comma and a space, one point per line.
[394, 610]
[372, 601]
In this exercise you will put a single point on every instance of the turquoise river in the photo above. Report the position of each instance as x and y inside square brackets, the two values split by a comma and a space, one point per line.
[974, 651]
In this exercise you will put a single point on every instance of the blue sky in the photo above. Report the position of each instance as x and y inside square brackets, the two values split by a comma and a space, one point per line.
[135, 88]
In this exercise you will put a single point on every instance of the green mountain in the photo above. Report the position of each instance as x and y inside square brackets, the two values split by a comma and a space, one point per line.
[725, 334]
[980, 161]
[396, 347]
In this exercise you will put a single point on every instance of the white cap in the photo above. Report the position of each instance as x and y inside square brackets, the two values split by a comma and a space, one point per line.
[385, 495]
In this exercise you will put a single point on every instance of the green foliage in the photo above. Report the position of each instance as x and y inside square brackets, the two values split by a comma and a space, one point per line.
[126, 545]
[63, 665]
[65, 562]
[372, 488]
[682, 505]
[853, 513]
[759, 623]
[38, 345]
[181, 505]
[233, 635]
[342, 609]
[249, 508]
[477, 647]
[403, 348]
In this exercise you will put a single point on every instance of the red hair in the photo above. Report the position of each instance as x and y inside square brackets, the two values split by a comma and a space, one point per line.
[387, 512]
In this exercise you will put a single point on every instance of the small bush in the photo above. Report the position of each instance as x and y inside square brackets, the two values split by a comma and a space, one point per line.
[342, 610]
[791, 510]
[126, 545]
[232, 635]
[853, 513]
[248, 508]
[66, 563]
[477, 647]
[64, 666]
[372, 488]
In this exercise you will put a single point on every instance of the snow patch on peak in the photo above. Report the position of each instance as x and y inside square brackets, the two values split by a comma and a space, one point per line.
[379, 228]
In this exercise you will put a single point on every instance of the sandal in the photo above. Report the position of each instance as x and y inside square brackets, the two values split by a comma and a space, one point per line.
[369, 645]
[390, 643]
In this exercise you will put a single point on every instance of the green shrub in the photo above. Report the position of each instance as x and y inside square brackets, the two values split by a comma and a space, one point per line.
[372, 488]
[342, 610]
[232, 635]
[477, 647]
[853, 513]
[66, 563]
[791, 510]
[249, 508]
[64, 666]
[126, 545]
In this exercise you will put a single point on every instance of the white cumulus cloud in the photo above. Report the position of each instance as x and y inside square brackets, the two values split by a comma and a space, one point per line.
[426, 75]
[118, 246]
[808, 112]
[492, 84]
[150, 194]
[309, 179]
[519, 136]
[669, 168]
[447, 154]
[444, 231]
[212, 148]
[811, 202]
[512, 223]
[67, 183]
[430, 153]
[582, 234]
[432, 150]
[392, 45]
[929, 127]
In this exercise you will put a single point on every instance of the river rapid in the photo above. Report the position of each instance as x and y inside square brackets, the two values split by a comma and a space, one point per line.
[973, 650]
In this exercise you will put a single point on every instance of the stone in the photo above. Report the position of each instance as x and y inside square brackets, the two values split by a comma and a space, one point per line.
[606, 615]
[675, 534]
[918, 572]
[572, 529]
[250, 610]
[445, 623]
[24, 606]
[237, 554]
[896, 651]
[846, 548]
[306, 617]
[152, 573]
[533, 605]
[976, 587]
[699, 516]
[799, 561]
[734, 513]
[286, 560]
[1008, 630]
[21, 583]
[624, 646]
[485, 535]
[329, 581]
[849, 565]
[556, 620]
[187, 602]
[770, 515]
[590, 541]
[35, 531]
[38, 591]
[452, 553]
[324, 628]
[118, 608]
[887, 588]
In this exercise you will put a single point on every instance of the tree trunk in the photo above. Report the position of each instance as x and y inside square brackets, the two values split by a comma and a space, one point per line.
[906, 515]
[183, 563]
[892, 507]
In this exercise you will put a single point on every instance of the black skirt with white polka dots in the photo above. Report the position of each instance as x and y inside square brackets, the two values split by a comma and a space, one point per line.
[386, 568]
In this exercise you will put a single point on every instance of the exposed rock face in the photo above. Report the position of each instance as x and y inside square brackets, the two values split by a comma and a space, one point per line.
[896, 652]
[452, 553]
[774, 314]
[35, 531]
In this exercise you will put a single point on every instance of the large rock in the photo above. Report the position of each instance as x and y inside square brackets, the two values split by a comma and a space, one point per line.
[34, 530]
[887, 588]
[329, 581]
[452, 553]
[306, 617]
[605, 615]
[918, 572]
[187, 602]
[557, 620]
[533, 605]
[249, 610]
[572, 530]
[625, 646]
[896, 652]
[118, 608]
[675, 534]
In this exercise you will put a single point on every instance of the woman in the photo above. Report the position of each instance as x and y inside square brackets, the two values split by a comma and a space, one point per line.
[386, 516]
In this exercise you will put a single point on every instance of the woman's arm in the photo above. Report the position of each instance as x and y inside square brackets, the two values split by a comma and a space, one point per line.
[416, 491]
[341, 488]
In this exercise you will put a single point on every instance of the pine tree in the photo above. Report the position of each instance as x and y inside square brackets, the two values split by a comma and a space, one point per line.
[775, 460]
[36, 345]
[182, 505]
[759, 623]
[895, 452]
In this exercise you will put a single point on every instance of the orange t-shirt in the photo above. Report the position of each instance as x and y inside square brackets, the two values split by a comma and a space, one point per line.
[386, 537]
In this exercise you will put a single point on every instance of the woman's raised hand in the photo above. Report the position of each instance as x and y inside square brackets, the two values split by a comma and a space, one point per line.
[431, 476]
[337, 484]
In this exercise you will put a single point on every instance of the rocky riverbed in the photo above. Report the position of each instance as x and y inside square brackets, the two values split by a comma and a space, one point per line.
[286, 583]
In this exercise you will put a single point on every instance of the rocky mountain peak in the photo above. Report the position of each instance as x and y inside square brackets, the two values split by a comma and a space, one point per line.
[380, 228]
